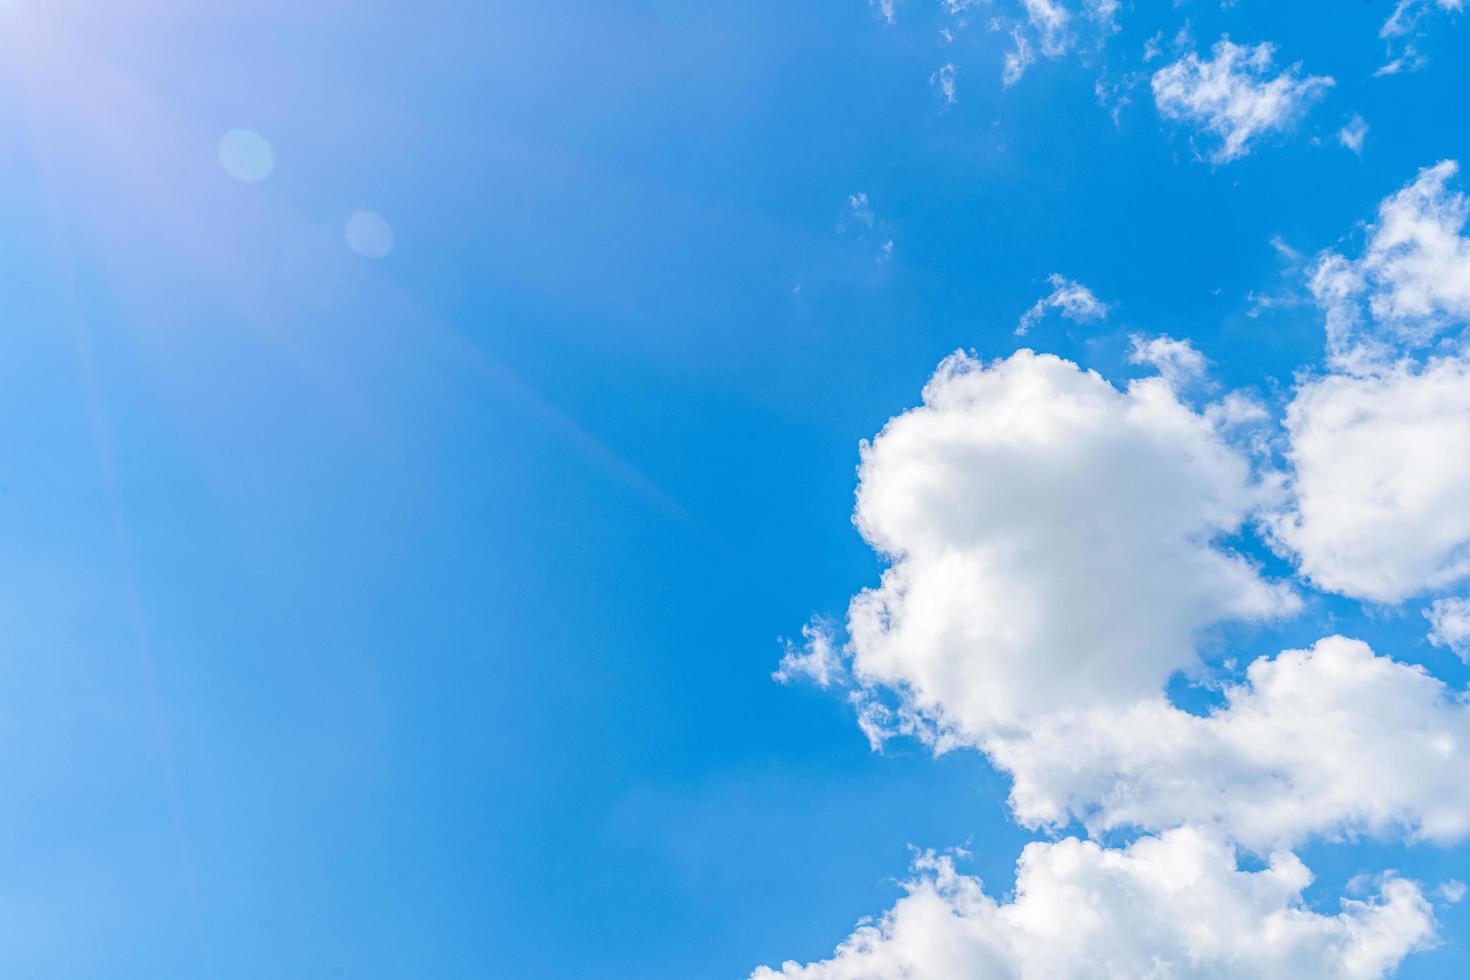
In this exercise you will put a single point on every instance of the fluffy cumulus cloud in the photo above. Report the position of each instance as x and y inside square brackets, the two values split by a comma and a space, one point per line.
[1411, 282]
[1071, 299]
[1170, 906]
[1449, 625]
[1234, 94]
[1333, 741]
[1054, 544]
[1381, 481]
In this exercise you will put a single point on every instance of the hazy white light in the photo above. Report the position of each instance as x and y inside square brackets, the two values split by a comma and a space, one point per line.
[246, 155]
[368, 234]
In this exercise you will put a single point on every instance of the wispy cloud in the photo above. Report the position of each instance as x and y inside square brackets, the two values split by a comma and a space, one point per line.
[944, 81]
[1234, 95]
[1353, 134]
[1069, 298]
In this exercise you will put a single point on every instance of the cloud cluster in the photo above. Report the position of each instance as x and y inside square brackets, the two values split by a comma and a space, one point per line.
[1234, 95]
[1379, 446]
[1170, 906]
[1059, 548]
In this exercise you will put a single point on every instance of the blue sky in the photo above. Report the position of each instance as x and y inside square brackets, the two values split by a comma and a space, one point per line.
[413, 613]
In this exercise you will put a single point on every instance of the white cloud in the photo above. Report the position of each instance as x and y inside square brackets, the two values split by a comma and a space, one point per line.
[1049, 19]
[1380, 448]
[1284, 249]
[1406, 22]
[1017, 61]
[1449, 625]
[1177, 361]
[1411, 282]
[866, 227]
[1053, 545]
[1153, 47]
[1056, 549]
[1353, 134]
[1381, 483]
[1410, 60]
[816, 659]
[1171, 906]
[1332, 741]
[887, 9]
[1049, 28]
[1071, 299]
[1407, 14]
[944, 81]
[1104, 13]
[858, 211]
[1234, 96]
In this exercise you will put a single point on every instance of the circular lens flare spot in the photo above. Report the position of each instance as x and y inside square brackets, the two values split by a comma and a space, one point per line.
[368, 234]
[246, 155]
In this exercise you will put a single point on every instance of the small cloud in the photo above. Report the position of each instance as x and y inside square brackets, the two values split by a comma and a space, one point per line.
[860, 219]
[1177, 362]
[1071, 299]
[1234, 95]
[1153, 47]
[1017, 61]
[1452, 891]
[816, 659]
[1115, 96]
[1408, 14]
[887, 9]
[1411, 60]
[1284, 250]
[1449, 625]
[1403, 27]
[1104, 13]
[1353, 134]
[859, 210]
[944, 80]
